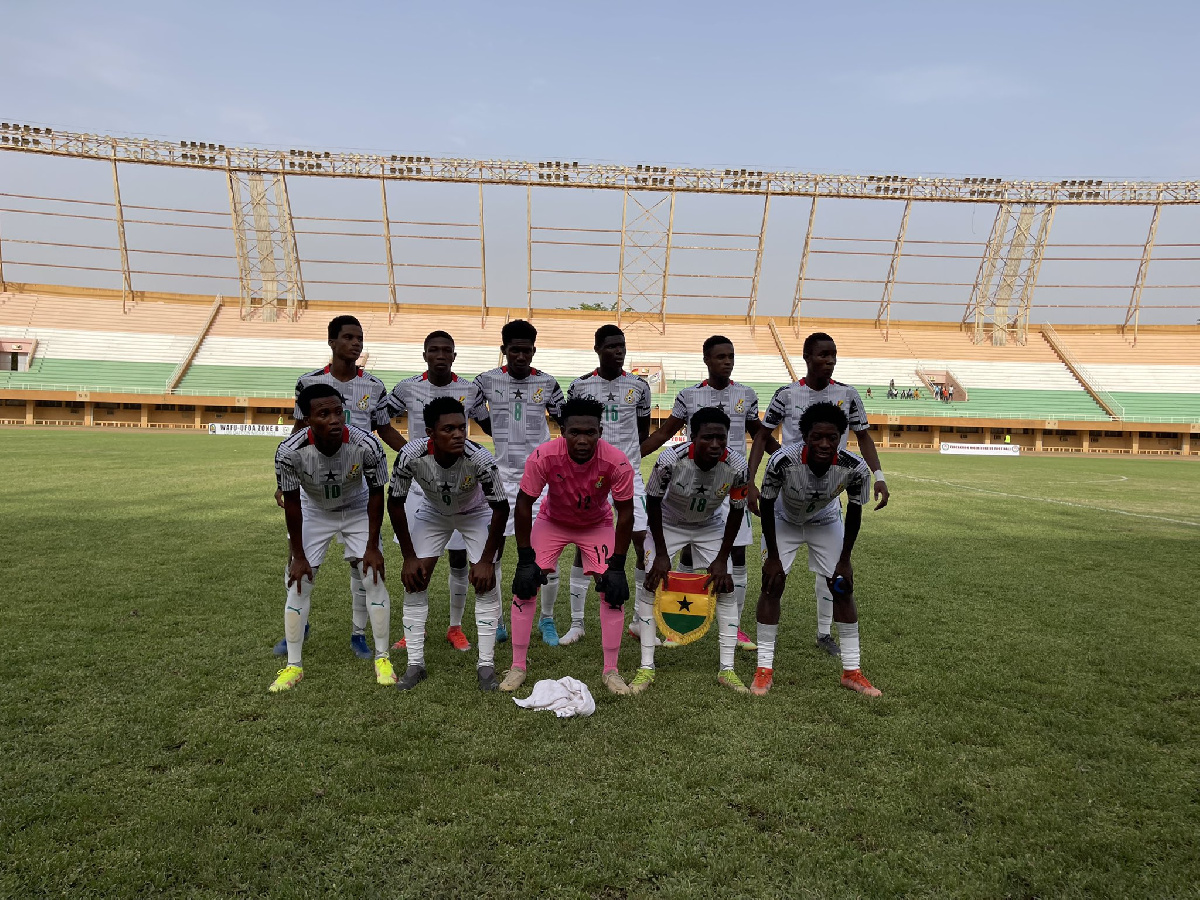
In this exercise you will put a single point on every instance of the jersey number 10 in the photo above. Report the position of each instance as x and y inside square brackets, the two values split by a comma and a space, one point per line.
[333, 491]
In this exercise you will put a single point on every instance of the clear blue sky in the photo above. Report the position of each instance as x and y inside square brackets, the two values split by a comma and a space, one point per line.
[1043, 89]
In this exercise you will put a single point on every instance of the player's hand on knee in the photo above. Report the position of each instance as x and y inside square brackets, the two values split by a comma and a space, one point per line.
[529, 575]
[659, 569]
[719, 580]
[844, 571]
[752, 499]
[613, 583]
[482, 576]
[372, 562]
[297, 569]
[414, 576]
[279, 498]
[773, 576]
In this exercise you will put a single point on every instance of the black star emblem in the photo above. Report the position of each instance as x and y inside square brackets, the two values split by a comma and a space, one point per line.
[685, 605]
[331, 475]
[612, 396]
[721, 406]
[444, 487]
[701, 490]
[518, 395]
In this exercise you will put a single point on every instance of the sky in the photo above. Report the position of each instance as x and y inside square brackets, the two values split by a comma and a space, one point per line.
[1019, 90]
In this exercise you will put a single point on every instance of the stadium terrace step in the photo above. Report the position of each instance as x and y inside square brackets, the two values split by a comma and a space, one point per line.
[990, 403]
[91, 375]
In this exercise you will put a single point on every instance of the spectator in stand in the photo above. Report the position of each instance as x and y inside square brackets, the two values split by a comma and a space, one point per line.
[868, 393]
[950, 394]
[916, 393]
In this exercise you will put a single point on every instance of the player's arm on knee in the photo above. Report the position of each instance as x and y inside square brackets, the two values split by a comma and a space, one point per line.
[661, 566]
[773, 576]
[843, 567]
[483, 573]
[298, 567]
[662, 434]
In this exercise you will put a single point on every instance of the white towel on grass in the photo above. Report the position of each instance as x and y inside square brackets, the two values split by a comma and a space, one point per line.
[565, 697]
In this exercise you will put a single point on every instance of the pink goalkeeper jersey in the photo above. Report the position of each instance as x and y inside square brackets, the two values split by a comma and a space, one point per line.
[578, 494]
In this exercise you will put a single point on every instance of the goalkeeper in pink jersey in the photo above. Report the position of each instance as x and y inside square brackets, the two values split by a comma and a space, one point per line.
[580, 473]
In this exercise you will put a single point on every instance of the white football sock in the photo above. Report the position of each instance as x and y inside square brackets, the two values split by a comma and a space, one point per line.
[500, 587]
[379, 605]
[851, 651]
[457, 579]
[487, 614]
[727, 628]
[549, 594]
[635, 625]
[358, 606]
[579, 591]
[740, 580]
[643, 624]
[295, 618]
[766, 644]
[824, 606]
[416, 613]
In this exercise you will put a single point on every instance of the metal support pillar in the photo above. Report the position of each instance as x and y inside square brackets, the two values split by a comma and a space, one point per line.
[752, 307]
[293, 280]
[266, 247]
[1008, 277]
[646, 235]
[885, 305]
[387, 243]
[982, 290]
[529, 251]
[268, 260]
[126, 280]
[1135, 299]
[794, 316]
[1021, 328]
[237, 213]
[482, 260]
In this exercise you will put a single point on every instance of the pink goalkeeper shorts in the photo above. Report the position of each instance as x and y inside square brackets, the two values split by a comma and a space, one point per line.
[595, 543]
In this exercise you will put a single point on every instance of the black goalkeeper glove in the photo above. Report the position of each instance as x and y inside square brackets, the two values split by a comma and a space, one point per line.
[529, 575]
[613, 584]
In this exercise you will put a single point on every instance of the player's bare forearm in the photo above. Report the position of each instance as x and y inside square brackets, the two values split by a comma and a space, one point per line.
[732, 524]
[767, 517]
[486, 425]
[624, 526]
[523, 519]
[495, 535]
[374, 516]
[853, 524]
[866, 446]
[654, 523]
[295, 521]
[395, 509]
[643, 423]
[662, 434]
[756, 451]
[390, 436]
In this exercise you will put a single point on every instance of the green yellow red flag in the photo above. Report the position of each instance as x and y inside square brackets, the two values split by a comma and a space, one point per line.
[683, 607]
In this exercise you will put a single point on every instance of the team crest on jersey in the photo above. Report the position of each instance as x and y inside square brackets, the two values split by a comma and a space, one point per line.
[364, 402]
[741, 405]
[724, 488]
[353, 470]
[462, 399]
[629, 396]
[467, 482]
[683, 607]
[600, 482]
[537, 395]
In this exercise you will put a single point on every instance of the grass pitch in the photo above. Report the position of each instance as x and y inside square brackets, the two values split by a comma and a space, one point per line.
[1032, 622]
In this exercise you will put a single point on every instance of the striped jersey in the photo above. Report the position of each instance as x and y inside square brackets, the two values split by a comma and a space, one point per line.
[518, 408]
[804, 497]
[737, 401]
[626, 399]
[360, 395]
[411, 395]
[467, 486]
[691, 496]
[791, 400]
[337, 482]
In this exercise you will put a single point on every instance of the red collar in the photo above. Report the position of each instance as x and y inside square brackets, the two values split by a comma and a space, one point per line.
[804, 382]
[358, 372]
[596, 372]
[705, 383]
[532, 371]
[804, 454]
[425, 377]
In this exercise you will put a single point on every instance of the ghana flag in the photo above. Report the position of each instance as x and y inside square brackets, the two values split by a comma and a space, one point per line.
[683, 607]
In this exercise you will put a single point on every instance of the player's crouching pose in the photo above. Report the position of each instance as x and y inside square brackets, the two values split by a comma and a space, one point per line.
[460, 482]
[332, 476]
[579, 473]
[800, 505]
[685, 507]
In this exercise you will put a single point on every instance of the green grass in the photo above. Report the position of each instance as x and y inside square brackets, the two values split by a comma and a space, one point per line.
[1038, 733]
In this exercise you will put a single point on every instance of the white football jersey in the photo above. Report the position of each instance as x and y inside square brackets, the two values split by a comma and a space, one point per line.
[626, 399]
[691, 496]
[469, 485]
[360, 395]
[412, 395]
[791, 400]
[801, 496]
[518, 409]
[737, 401]
[341, 481]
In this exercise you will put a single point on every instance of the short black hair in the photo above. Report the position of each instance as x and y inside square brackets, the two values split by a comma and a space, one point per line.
[815, 338]
[715, 341]
[582, 406]
[338, 322]
[823, 412]
[604, 332]
[441, 406]
[515, 330]
[316, 392]
[438, 334]
[707, 415]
